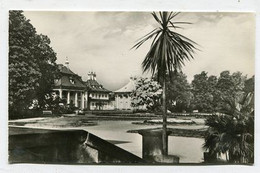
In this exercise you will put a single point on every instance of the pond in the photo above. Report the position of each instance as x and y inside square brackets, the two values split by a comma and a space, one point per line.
[188, 149]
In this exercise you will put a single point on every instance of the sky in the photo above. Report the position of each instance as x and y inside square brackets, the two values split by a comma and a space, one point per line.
[102, 42]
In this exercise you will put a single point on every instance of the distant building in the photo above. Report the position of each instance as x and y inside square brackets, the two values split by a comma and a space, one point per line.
[70, 87]
[122, 96]
[90, 94]
[98, 96]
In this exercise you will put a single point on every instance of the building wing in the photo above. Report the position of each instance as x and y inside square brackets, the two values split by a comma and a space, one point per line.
[128, 88]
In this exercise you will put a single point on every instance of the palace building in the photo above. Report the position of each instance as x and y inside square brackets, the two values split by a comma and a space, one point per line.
[70, 87]
[122, 96]
[89, 94]
[98, 96]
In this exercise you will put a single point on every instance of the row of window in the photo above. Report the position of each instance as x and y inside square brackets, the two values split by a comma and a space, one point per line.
[98, 104]
[123, 102]
[72, 81]
[123, 95]
[99, 95]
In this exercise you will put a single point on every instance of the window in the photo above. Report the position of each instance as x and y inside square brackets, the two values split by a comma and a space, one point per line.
[72, 80]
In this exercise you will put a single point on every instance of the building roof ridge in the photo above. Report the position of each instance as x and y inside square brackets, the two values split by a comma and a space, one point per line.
[128, 87]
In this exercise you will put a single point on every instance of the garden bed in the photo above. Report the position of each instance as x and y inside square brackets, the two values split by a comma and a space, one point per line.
[170, 121]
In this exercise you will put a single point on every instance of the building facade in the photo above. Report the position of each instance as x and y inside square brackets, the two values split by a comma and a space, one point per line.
[123, 96]
[98, 96]
[70, 87]
[90, 94]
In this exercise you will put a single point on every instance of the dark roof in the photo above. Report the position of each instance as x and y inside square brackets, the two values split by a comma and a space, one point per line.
[68, 82]
[94, 86]
[67, 75]
[68, 79]
[65, 70]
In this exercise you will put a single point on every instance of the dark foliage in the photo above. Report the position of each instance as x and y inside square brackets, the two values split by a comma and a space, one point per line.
[32, 67]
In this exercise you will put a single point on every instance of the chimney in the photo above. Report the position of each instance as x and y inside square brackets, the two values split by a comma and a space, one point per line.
[94, 76]
[67, 62]
[91, 76]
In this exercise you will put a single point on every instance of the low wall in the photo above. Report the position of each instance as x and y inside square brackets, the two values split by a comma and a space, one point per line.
[108, 112]
[194, 133]
[28, 145]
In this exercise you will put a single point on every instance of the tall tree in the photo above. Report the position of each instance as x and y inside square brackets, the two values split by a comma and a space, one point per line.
[229, 86]
[167, 53]
[204, 90]
[32, 66]
[178, 92]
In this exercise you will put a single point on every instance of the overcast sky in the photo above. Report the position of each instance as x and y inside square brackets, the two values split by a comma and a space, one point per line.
[101, 42]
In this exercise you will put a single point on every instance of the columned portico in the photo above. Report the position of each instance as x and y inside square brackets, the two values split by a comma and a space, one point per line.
[76, 99]
[60, 93]
[86, 100]
[68, 97]
[82, 100]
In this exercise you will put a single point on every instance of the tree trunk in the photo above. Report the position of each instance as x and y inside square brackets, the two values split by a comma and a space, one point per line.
[241, 160]
[164, 131]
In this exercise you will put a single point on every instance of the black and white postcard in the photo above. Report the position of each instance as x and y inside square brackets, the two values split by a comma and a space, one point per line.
[161, 87]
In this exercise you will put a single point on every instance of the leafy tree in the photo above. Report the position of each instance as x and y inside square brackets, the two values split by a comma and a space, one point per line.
[178, 92]
[249, 85]
[167, 53]
[32, 67]
[229, 86]
[204, 90]
[146, 94]
[47, 66]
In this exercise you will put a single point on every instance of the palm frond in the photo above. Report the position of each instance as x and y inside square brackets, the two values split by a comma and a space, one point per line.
[173, 15]
[169, 50]
[145, 38]
[182, 23]
[156, 18]
[174, 26]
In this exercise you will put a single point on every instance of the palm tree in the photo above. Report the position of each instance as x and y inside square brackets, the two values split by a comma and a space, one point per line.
[232, 133]
[167, 54]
